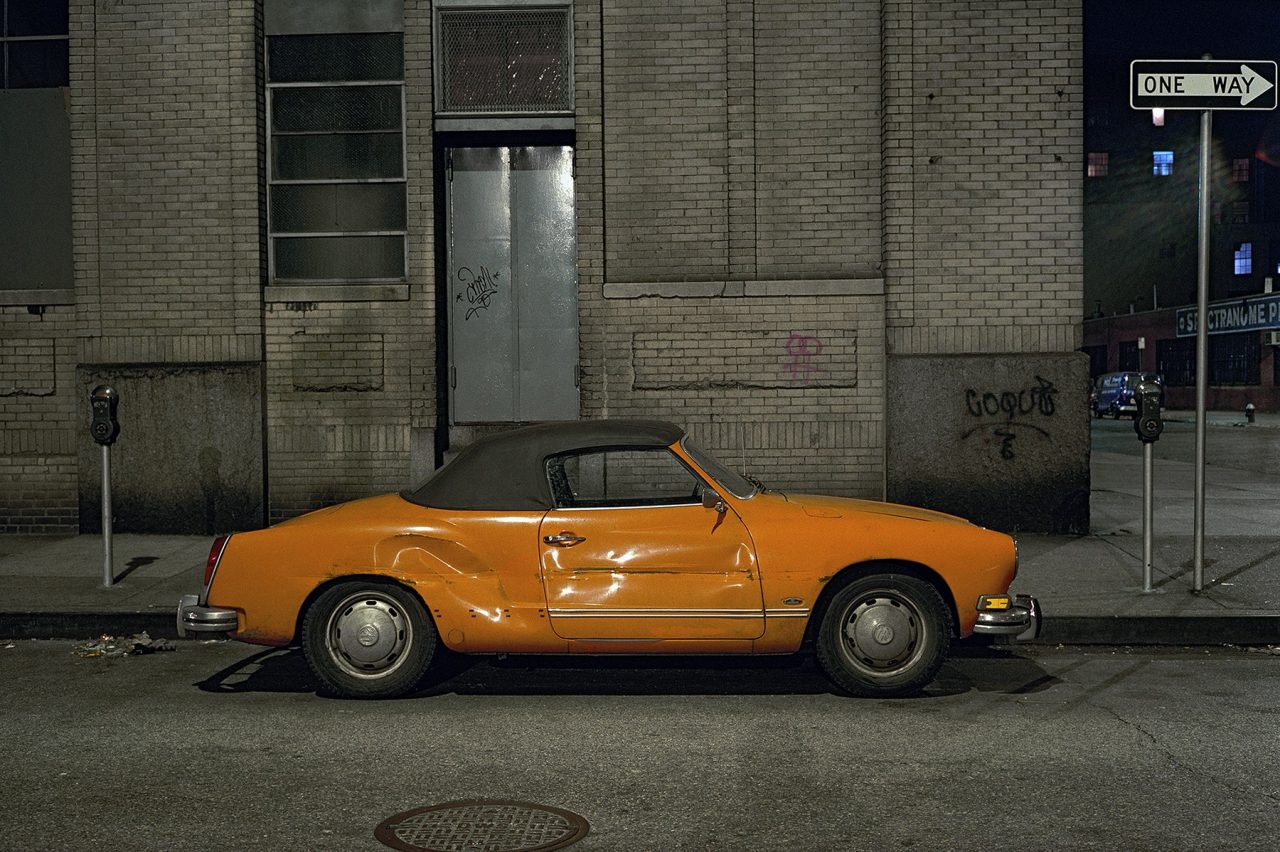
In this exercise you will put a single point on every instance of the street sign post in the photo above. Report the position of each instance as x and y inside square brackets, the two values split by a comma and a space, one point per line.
[1207, 85]
[1244, 84]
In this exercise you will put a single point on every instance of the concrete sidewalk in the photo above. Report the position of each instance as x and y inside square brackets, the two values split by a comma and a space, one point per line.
[1090, 587]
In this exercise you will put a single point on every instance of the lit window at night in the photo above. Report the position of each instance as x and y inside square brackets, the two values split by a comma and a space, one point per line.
[1162, 163]
[1244, 259]
[1098, 161]
[1240, 170]
[1157, 116]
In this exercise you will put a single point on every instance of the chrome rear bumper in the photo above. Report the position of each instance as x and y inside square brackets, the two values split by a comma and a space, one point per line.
[1022, 620]
[196, 618]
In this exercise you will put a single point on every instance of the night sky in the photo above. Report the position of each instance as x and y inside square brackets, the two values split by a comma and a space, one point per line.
[1119, 31]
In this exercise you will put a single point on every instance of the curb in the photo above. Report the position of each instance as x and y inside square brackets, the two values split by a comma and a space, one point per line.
[1160, 630]
[82, 625]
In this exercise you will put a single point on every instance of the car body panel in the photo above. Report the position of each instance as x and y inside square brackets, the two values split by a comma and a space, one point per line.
[662, 572]
[652, 579]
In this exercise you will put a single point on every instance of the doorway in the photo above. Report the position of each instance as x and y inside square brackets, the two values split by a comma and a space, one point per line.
[511, 286]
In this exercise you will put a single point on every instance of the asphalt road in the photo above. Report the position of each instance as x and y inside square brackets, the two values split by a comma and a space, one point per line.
[225, 746]
[1249, 448]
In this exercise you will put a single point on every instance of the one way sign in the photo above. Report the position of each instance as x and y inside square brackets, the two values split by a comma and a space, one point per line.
[1202, 84]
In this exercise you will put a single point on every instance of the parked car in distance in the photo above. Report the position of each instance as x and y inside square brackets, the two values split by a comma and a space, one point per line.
[1115, 393]
[610, 537]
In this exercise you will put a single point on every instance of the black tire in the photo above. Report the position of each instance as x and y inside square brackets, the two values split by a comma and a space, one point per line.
[884, 635]
[365, 639]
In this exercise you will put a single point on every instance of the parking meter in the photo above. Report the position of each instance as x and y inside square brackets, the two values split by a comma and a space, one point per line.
[105, 427]
[1147, 422]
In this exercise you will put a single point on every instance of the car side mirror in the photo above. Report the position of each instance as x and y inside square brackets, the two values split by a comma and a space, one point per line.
[712, 500]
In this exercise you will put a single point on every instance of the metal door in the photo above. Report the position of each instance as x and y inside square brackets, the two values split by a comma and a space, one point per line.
[512, 285]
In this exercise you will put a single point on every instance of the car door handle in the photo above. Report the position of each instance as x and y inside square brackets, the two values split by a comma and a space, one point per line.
[565, 539]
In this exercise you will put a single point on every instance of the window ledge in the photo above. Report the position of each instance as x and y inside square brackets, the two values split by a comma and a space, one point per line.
[64, 296]
[277, 293]
[731, 289]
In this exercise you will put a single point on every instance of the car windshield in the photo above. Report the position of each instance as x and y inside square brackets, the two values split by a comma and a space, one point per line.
[736, 484]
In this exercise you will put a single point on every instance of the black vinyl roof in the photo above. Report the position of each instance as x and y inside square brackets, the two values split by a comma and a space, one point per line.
[508, 470]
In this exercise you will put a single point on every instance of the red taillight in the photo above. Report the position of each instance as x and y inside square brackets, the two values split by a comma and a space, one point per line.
[215, 553]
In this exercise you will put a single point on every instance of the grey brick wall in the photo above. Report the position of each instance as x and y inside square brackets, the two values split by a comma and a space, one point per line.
[351, 386]
[773, 202]
[983, 228]
[37, 420]
[729, 233]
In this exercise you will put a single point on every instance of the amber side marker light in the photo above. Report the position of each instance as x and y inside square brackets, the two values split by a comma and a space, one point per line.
[215, 554]
[994, 603]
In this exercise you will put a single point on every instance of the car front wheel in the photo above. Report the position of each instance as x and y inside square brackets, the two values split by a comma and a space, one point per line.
[884, 635]
[365, 639]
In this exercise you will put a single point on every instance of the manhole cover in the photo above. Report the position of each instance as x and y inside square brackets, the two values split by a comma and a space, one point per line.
[482, 827]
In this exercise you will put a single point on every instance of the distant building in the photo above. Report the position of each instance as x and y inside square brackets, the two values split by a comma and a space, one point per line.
[319, 245]
[1141, 245]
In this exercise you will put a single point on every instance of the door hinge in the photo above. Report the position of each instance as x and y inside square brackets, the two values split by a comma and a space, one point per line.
[453, 378]
[448, 167]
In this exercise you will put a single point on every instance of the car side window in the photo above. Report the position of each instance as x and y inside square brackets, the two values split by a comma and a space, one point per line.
[622, 477]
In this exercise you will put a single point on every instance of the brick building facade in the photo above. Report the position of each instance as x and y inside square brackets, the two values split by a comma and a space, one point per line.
[834, 240]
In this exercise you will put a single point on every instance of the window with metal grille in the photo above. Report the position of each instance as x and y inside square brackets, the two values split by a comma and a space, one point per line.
[336, 160]
[504, 61]
[1130, 357]
[33, 44]
[1240, 170]
[1176, 361]
[1097, 359]
[1162, 163]
[1235, 359]
[1098, 163]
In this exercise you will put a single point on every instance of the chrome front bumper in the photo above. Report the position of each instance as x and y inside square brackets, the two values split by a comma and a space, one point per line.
[1022, 620]
[193, 617]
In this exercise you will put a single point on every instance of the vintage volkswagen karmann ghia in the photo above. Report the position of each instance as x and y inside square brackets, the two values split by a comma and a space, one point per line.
[609, 537]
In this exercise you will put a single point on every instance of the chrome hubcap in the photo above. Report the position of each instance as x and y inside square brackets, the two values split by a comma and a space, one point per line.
[367, 634]
[882, 632]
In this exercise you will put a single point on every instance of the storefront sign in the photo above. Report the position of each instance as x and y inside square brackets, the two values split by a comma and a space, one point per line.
[1252, 313]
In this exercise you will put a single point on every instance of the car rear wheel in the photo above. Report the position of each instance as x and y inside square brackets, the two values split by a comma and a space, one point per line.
[884, 635]
[365, 639]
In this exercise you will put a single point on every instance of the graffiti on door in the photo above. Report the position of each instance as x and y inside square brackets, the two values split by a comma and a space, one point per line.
[480, 286]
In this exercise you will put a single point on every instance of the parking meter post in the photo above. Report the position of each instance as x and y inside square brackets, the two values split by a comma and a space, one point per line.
[1148, 425]
[1146, 516]
[104, 428]
[108, 574]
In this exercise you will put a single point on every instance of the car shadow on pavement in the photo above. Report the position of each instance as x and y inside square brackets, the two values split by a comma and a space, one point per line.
[969, 669]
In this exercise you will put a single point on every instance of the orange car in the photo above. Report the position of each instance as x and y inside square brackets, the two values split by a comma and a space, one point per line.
[610, 537]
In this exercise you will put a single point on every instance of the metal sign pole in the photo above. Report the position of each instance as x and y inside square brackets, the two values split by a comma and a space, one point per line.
[107, 563]
[1202, 343]
[1146, 517]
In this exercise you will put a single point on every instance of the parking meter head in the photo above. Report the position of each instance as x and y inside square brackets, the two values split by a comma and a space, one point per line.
[1147, 421]
[104, 427]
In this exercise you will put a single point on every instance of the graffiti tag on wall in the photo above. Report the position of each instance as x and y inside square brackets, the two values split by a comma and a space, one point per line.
[802, 354]
[1012, 410]
[481, 287]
